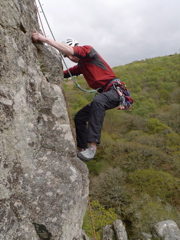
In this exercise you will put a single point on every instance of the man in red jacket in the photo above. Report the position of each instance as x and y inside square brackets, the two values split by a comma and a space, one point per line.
[99, 75]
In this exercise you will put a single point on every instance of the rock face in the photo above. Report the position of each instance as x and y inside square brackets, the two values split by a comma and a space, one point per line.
[43, 186]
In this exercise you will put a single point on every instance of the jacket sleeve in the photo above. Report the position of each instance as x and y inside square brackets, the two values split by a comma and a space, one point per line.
[82, 51]
[75, 71]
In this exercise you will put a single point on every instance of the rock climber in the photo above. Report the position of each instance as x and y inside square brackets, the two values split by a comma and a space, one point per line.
[99, 75]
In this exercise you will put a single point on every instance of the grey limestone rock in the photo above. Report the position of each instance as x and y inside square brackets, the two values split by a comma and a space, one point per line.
[146, 236]
[167, 230]
[115, 231]
[43, 186]
[108, 233]
[84, 236]
[120, 230]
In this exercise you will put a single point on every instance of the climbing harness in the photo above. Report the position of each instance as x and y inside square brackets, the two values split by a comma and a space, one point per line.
[72, 78]
[126, 101]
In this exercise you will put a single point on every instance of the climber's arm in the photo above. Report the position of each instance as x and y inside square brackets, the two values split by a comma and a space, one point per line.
[62, 47]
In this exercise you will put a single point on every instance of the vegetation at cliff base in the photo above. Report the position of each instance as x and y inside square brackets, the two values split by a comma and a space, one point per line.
[96, 218]
[137, 166]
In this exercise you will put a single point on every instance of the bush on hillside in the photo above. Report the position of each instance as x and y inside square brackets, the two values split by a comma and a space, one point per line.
[109, 188]
[145, 140]
[158, 184]
[144, 211]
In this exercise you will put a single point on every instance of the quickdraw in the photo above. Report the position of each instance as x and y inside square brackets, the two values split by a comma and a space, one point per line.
[126, 101]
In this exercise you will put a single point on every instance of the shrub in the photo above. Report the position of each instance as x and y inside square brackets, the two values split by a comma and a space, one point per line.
[95, 167]
[169, 115]
[176, 164]
[133, 155]
[155, 126]
[144, 212]
[173, 140]
[109, 188]
[153, 140]
[155, 183]
[100, 218]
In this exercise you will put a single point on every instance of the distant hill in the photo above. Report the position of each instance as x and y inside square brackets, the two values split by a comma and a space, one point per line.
[137, 167]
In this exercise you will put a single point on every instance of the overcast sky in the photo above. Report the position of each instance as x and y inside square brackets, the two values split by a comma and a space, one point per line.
[122, 31]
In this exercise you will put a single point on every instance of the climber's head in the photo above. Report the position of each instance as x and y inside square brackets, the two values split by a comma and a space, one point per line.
[71, 42]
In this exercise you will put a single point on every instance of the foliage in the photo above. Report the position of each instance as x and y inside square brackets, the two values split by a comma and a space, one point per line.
[157, 184]
[143, 212]
[95, 167]
[135, 155]
[169, 114]
[155, 126]
[109, 188]
[137, 166]
[100, 217]
[147, 197]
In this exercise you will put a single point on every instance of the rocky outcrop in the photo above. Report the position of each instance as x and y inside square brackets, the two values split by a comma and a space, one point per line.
[108, 233]
[43, 186]
[167, 230]
[119, 230]
[115, 231]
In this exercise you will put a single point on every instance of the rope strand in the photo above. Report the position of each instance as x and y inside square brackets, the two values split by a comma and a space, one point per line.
[91, 217]
[39, 16]
[46, 19]
[77, 85]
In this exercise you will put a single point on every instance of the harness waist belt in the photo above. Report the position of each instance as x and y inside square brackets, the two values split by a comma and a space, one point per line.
[106, 87]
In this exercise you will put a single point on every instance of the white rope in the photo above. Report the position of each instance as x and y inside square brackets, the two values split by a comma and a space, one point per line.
[77, 85]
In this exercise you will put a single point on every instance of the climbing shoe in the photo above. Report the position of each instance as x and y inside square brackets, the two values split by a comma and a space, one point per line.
[87, 154]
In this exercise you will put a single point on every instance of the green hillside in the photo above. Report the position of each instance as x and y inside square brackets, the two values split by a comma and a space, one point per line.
[136, 169]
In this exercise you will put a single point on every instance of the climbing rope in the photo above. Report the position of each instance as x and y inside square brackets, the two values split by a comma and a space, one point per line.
[78, 86]
[91, 217]
[39, 16]
[72, 78]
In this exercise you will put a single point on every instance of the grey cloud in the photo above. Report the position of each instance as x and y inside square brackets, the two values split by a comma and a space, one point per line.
[121, 31]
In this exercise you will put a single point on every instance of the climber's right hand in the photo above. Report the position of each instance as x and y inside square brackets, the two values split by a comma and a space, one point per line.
[36, 36]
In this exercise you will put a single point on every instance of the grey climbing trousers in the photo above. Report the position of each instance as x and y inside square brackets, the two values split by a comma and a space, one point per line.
[89, 120]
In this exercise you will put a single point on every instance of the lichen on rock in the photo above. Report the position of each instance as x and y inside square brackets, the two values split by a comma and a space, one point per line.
[42, 182]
